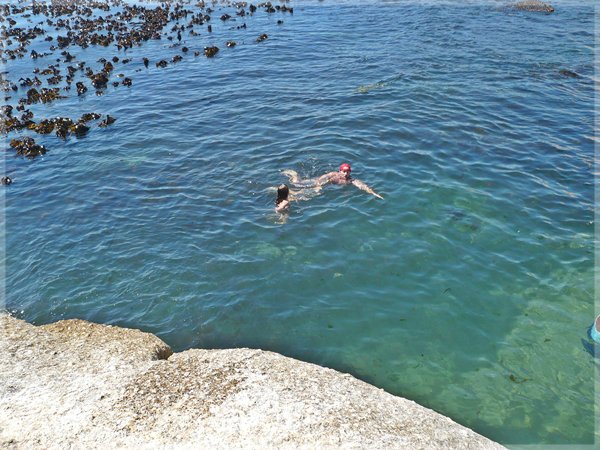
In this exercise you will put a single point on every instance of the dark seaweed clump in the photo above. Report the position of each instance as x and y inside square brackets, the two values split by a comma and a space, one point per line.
[53, 34]
[27, 147]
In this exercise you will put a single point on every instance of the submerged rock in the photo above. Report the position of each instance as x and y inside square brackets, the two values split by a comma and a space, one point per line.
[568, 73]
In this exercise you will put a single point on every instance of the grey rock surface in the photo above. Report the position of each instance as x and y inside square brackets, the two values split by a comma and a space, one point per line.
[533, 6]
[75, 384]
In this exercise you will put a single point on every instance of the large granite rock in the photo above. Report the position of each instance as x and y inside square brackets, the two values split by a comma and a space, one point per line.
[75, 384]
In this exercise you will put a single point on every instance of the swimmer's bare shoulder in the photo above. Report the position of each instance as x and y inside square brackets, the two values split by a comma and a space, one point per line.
[329, 177]
[283, 206]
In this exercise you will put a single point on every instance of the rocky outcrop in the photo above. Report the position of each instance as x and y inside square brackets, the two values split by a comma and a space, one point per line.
[82, 385]
[533, 6]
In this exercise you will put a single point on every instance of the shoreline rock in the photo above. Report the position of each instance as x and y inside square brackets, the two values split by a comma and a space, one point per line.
[78, 384]
[533, 6]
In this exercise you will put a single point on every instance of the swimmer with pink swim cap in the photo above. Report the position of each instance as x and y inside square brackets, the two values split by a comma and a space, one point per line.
[342, 176]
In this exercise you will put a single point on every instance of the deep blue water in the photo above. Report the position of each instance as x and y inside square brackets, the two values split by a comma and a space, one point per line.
[468, 289]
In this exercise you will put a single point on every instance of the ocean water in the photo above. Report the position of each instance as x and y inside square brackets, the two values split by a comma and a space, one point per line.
[468, 289]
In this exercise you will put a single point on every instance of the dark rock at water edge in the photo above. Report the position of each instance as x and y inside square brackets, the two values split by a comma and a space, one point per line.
[533, 6]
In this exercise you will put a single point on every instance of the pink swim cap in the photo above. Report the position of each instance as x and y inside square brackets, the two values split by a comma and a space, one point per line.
[345, 167]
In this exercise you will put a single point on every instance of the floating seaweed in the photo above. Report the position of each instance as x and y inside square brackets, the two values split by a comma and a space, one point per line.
[89, 116]
[33, 96]
[55, 79]
[81, 89]
[210, 52]
[49, 95]
[99, 80]
[81, 24]
[44, 127]
[106, 122]
[79, 129]
[11, 124]
[27, 147]
[6, 110]
[62, 125]
[30, 82]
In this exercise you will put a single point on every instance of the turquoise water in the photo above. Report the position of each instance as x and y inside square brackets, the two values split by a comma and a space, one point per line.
[468, 289]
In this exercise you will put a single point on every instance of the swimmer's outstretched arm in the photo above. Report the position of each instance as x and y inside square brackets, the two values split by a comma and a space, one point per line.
[292, 175]
[362, 186]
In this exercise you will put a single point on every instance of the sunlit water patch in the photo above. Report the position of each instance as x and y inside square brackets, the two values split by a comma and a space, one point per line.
[469, 288]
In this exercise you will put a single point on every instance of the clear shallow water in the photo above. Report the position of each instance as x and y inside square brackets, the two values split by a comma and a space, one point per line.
[468, 289]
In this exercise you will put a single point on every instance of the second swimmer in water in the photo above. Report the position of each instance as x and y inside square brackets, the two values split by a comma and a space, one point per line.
[282, 203]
